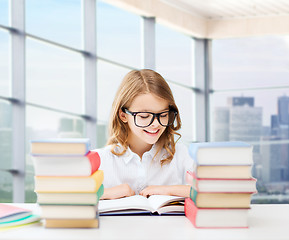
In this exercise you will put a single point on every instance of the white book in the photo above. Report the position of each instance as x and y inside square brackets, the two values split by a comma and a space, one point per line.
[221, 153]
[69, 211]
[160, 204]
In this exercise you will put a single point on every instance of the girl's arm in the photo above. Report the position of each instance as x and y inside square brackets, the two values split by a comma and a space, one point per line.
[122, 190]
[175, 190]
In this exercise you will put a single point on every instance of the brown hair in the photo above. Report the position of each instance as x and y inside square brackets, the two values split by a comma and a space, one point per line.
[138, 82]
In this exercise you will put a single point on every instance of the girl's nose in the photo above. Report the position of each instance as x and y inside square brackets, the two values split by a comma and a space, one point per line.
[155, 123]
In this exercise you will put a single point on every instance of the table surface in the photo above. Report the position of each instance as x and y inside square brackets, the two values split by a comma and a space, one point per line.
[267, 222]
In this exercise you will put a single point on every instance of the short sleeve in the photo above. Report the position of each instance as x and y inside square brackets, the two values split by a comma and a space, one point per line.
[185, 162]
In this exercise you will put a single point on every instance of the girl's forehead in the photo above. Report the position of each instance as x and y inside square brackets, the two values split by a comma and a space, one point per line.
[149, 102]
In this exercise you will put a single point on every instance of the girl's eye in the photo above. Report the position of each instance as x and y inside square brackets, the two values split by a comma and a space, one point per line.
[164, 115]
[143, 115]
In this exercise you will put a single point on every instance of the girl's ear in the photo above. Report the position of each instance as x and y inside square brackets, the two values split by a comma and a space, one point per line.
[122, 116]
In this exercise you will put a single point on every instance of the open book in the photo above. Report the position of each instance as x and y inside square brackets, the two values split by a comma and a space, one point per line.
[137, 204]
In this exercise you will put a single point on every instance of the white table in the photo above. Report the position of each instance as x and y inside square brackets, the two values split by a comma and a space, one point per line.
[267, 222]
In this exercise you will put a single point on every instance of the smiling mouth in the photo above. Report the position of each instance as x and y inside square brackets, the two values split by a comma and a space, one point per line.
[152, 132]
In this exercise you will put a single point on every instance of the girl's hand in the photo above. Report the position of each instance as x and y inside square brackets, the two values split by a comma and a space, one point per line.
[175, 190]
[155, 190]
[120, 191]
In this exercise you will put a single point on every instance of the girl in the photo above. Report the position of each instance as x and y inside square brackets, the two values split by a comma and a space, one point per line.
[141, 156]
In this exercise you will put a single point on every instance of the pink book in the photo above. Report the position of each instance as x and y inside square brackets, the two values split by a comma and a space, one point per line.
[11, 213]
[216, 218]
[220, 184]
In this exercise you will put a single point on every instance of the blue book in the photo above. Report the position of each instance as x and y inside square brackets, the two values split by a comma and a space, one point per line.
[60, 147]
[221, 153]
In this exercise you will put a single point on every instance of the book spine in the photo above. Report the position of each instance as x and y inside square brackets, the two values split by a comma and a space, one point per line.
[192, 180]
[94, 160]
[191, 211]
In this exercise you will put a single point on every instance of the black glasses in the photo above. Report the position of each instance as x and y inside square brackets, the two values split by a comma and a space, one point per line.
[145, 119]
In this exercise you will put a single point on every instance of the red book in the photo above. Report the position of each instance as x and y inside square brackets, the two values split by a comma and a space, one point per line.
[216, 218]
[66, 165]
[220, 184]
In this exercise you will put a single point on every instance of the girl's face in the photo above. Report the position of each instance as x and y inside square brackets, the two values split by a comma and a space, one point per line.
[145, 137]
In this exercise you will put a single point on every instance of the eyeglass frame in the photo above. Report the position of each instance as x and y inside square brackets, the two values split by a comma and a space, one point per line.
[155, 115]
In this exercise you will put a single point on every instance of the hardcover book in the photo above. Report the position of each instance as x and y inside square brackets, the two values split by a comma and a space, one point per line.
[70, 198]
[226, 172]
[66, 166]
[69, 183]
[216, 218]
[60, 146]
[221, 185]
[221, 200]
[69, 211]
[72, 223]
[221, 153]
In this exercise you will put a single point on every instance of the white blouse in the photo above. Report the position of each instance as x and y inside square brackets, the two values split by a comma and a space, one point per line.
[140, 173]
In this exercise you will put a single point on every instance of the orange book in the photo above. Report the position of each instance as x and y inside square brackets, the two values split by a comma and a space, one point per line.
[69, 183]
[66, 165]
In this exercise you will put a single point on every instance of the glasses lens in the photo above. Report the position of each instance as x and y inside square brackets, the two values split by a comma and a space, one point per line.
[143, 119]
[167, 118]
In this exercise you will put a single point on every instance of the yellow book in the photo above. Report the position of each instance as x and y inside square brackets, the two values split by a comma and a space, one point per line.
[72, 223]
[69, 184]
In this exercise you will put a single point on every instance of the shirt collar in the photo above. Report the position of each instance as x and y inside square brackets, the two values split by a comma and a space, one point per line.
[129, 154]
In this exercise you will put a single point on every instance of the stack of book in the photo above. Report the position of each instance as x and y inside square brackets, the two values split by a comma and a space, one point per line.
[13, 216]
[68, 182]
[221, 184]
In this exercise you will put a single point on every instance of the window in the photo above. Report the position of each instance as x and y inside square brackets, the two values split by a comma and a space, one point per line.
[5, 151]
[250, 102]
[54, 77]
[5, 135]
[174, 61]
[4, 6]
[58, 21]
[118, 35]
[4, 64]
[174, 55]
[43, 124]
[6, 190]
[184, 99]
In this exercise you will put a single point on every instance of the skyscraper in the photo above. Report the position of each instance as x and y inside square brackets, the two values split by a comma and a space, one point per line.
[241, 121]
[241, 101]
[283, 110]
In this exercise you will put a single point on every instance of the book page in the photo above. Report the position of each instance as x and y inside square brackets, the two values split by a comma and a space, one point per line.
[136, 202]
[157, 201]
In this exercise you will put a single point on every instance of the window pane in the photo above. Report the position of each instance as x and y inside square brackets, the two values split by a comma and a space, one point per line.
[262, 119]
[47, 124]
[184, 99]
[109, 78]
[5, 135]
[54, 77]
[55, 20]
[174, 55]
[118, 35]
[4, 64]
[6, 187]
[4, 8]
[250, 62]
[42, 123]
